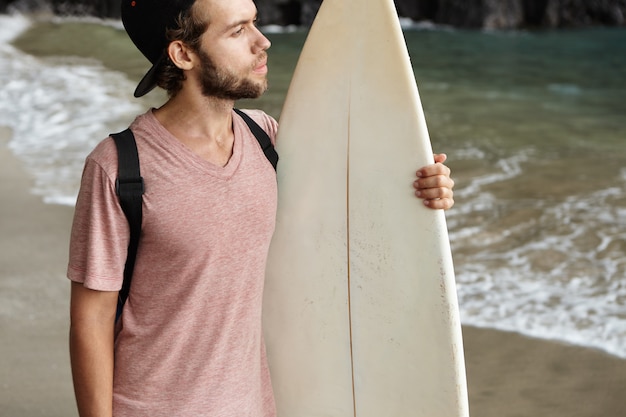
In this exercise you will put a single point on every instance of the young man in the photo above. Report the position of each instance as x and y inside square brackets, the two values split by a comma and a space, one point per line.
[189, 341]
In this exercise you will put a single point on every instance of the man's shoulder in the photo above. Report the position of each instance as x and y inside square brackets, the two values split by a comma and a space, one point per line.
[267, 122]
[104, 153]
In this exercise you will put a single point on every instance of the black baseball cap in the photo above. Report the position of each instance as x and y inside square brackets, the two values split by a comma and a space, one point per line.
[146, 22]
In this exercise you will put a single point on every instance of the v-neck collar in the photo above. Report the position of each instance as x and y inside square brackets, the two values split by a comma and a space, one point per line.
[184, 152]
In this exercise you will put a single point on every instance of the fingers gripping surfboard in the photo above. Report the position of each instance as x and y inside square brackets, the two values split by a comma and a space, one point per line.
[360, 308]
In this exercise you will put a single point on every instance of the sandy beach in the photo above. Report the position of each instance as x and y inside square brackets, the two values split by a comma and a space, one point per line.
[34, 367]
[508, 375]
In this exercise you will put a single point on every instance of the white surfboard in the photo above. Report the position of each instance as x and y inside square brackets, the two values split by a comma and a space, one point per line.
[360, 307]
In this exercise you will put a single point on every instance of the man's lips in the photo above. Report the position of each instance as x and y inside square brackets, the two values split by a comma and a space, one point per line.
[261, 68]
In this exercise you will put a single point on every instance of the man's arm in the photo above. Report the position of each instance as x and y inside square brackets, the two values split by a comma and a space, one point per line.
[92, 320]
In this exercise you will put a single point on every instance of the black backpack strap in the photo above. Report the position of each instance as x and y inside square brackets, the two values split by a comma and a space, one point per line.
[129, 187]
[262, 137]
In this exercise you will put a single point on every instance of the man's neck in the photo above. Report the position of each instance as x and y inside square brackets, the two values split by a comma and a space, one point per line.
[204, 124]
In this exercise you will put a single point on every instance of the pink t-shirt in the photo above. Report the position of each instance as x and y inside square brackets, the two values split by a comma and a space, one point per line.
[189, 342]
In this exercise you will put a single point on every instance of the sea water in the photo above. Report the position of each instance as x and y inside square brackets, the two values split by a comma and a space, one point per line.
[534, 124]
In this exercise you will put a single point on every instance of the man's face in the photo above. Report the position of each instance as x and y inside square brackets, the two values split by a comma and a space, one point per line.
[232, 56]
[225, 84]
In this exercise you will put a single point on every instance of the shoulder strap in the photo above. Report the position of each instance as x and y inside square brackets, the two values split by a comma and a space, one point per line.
[129, 187]
[262, 137]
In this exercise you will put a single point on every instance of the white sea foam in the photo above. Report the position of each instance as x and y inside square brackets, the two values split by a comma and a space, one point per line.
[507, 168]
[58, 108]
[11, 26]
[407, 23]
[565, 89]
[280, 29]
[567, 283]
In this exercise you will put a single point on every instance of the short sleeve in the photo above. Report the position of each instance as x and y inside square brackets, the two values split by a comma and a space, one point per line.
[100, 231]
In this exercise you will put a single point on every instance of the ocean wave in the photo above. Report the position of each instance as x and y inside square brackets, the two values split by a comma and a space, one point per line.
[567, 283]
[565, 89]
[281, 29]
[407, 23]
[11, 26]
[507, 168]
[58, 109]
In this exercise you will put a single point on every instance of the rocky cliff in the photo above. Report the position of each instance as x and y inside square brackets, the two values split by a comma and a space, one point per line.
[490, 14]
[509, 14]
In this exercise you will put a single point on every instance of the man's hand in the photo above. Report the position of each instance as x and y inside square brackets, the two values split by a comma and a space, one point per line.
[434, 185]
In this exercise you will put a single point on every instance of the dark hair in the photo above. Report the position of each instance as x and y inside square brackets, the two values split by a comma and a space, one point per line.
[189, 30]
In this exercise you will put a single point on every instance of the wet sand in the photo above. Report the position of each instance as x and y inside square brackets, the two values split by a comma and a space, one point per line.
[508, 375]
[34, 363]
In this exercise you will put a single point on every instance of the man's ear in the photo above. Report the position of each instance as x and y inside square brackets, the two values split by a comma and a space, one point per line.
[181, 55]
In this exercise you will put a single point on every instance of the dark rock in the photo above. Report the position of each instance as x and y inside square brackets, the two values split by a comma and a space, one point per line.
[503, 14]
[461, 13]
[418, 9]
[534, 12]
[574, 13]
[490, 14]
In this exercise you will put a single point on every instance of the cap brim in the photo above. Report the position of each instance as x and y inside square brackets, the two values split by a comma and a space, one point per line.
[149, 81]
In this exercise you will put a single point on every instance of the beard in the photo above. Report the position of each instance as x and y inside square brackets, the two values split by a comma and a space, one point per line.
[225, 85]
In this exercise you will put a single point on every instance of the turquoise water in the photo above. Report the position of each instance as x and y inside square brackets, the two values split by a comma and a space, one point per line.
[534, 124]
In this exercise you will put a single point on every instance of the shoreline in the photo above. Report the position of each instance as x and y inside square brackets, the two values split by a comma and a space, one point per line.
[508, 374]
